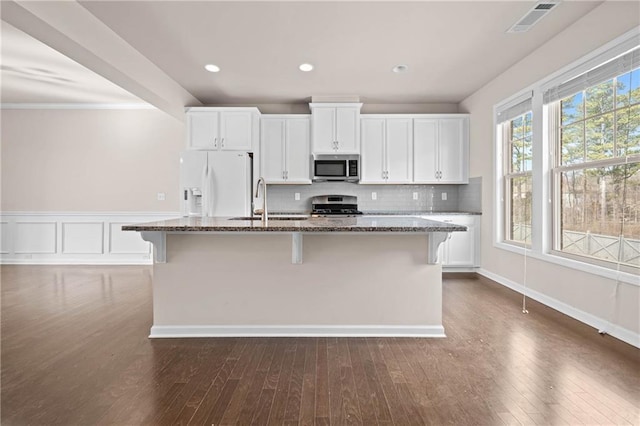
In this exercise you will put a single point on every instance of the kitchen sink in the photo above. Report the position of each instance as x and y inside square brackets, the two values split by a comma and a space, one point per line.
[270, 218]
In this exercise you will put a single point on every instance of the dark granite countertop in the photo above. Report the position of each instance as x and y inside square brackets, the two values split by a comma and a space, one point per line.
[391, 213]
[418, 213]
[317, 225]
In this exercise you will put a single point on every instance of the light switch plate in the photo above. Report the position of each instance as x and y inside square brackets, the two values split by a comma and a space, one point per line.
[444, 196]
[296, 196]
[374, 195]
[161, 196]
[415, 195]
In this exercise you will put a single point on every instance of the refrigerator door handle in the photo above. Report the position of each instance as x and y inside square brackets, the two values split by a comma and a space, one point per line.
[211, 193]
[205, 191]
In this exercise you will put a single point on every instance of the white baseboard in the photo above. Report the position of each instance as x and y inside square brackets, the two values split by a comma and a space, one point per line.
[598, 323]
[165, 331]
[74, 238]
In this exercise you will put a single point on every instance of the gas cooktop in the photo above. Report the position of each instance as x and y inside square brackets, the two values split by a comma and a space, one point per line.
[334, 206]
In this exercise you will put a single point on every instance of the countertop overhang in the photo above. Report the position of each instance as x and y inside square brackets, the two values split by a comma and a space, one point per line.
[310, 225]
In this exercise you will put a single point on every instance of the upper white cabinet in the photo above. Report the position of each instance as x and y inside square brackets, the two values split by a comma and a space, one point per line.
[335, 128]
[386, 150]
[441, 150]
[229, 129]
[284, 149]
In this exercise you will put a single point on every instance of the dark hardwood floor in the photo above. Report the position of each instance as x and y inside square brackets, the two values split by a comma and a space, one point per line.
[75, 352]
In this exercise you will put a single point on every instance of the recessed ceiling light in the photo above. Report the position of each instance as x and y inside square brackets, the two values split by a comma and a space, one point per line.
[212, 68]
[306, 67]
[400, 68]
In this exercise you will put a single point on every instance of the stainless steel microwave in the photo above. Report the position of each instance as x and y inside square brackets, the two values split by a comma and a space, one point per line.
[336, 168]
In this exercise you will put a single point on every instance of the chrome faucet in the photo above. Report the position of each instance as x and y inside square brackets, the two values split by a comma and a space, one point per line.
[262, 211]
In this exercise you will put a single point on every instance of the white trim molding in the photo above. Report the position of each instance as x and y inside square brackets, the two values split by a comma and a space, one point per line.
[598, 323]
[75, 238]
[167, 331]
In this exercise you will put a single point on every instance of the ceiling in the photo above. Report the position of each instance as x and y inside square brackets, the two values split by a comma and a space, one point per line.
[32, 72]
[452, 49]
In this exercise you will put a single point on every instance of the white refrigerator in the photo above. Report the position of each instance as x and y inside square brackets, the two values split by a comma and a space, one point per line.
[216, 183]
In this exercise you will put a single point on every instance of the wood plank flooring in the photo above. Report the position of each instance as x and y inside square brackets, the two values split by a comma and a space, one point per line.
[75, 352]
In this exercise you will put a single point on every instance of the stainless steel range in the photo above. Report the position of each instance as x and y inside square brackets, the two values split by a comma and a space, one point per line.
[334, 206]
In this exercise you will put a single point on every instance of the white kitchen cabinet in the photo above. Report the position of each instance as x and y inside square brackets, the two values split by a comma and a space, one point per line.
[386, 150]
[335, 128]
[284, 149]
[226, 129]
[461, 249]
[441, 150]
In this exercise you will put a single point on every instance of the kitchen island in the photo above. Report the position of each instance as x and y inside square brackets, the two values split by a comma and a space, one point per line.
[354, 276]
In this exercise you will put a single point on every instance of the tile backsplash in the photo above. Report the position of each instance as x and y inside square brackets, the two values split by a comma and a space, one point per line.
[388, 197]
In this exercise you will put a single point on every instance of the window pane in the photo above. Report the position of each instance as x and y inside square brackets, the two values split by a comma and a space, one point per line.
[635, 86]
[527, 124]
[623, 85]
[517, 128]
[598, 206]
[527, 154]
[520, 214]
[599, 135]
[572, 144]
[516, 156]
[628, 131]
[599, 99]
[572, 109]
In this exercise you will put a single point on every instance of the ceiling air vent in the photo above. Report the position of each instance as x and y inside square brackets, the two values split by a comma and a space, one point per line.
[532, 16]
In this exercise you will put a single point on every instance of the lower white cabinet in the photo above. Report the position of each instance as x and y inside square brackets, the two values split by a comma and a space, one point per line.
[461, 250]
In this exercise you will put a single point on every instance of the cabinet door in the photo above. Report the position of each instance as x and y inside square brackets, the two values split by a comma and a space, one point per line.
[203, 130]
[372, 157]
[324, 134]
[347, 129]
[236, 131]
[452, 150]
[298, 159]
[398, 150]
[272, 150]
[460, 247]
[425, 150]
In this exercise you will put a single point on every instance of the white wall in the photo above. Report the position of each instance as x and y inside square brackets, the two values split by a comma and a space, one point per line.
[582, 292]
[90, 160]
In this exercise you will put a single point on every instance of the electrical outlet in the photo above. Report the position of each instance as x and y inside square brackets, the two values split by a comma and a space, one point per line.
[374, 195]
[415, 195]
[161, 196]
[296, 196]
[444, 196]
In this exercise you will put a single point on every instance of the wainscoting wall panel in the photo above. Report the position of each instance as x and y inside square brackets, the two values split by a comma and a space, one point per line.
[82, 238]
[74, 238]
[5, 238]
[34, 237]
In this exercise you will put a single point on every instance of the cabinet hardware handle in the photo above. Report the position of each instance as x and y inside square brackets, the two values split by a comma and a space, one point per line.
[215, 142]
[222, 142]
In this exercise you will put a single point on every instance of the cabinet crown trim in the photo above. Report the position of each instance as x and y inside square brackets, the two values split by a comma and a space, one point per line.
[414, 116]
[222, 109]
[334, 104]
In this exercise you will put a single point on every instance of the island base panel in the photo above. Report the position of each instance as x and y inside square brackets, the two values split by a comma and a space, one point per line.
[222, 284]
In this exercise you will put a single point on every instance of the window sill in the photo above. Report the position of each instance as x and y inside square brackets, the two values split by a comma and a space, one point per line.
[623, 277]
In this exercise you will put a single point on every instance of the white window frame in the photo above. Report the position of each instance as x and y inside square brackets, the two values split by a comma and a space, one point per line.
[544, 159]
[557, 168]
[507, 177]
